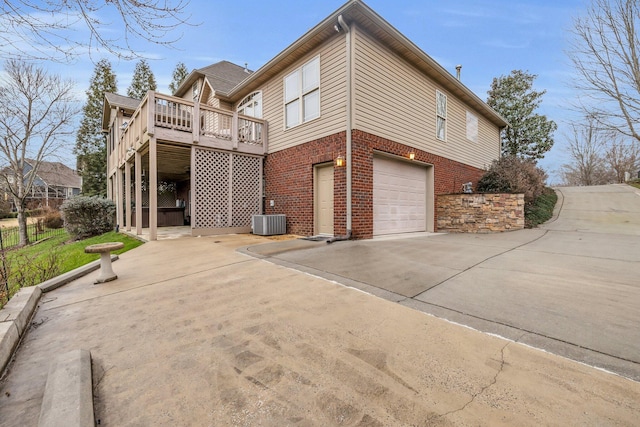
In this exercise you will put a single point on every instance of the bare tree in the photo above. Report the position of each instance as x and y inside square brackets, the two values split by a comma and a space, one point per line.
[48, 30]
[36, 115]
[605, 53]
[622, 158]
[585, 146]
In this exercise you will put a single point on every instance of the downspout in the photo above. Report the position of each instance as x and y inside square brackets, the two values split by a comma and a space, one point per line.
[349, 92]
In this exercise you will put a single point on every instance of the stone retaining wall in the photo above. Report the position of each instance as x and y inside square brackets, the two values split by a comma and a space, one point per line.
[480, 212]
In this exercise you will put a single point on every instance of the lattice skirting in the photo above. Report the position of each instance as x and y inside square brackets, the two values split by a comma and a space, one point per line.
[228, 191]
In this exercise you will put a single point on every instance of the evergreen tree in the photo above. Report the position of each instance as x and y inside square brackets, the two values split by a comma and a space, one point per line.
[179, 74]
[91, 144]
[142, 81]
[529, 135]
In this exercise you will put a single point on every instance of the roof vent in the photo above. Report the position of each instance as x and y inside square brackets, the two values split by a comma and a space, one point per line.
[246, 70]
[458, 68]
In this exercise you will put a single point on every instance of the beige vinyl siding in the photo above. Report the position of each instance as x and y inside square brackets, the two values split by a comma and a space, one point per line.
[332, 99]
[396, 101]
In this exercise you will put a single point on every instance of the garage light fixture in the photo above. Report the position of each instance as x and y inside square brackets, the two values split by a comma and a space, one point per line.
[412, 155]
[340, 162]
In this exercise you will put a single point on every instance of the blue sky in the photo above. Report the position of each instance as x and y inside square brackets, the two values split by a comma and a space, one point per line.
[488, 38]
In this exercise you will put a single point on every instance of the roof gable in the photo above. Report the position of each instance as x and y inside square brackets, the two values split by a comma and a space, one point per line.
[222, 76]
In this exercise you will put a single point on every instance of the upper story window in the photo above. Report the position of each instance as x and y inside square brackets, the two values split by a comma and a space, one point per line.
[302, 94]
[472, 127]
[441, 115]
[195, 90]
[251, 105]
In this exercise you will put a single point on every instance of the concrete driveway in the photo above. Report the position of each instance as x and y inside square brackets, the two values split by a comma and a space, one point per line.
[194, 333]
[571, 287]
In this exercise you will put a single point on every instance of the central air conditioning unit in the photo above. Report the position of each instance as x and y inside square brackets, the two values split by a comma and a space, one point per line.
[268, 225]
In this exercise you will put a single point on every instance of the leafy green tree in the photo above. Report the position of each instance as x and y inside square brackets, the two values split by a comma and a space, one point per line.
[91, 144]
[529, 135]
[142, 81]
[179, 74]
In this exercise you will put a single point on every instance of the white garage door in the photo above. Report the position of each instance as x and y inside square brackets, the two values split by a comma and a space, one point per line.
[399, 197]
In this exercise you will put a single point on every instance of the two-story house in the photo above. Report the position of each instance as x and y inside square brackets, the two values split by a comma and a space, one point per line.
[53, 183]
[351, 130]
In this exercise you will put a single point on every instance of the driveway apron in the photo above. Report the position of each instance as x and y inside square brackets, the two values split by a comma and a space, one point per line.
[570, 287]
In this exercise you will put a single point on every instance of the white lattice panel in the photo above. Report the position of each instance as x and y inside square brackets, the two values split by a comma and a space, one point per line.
[246, 190]
[227, 189]
[212, 189]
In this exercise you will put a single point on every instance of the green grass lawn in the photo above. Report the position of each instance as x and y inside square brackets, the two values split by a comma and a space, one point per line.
[69, 254]
[72, 254]
[634, 183]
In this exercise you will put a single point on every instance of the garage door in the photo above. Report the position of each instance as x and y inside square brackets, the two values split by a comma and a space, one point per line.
[399, 196]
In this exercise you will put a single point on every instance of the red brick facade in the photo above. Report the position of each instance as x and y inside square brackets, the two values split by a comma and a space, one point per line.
[289, 180]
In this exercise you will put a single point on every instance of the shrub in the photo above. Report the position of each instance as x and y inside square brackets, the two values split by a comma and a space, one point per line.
[53, 219]
[541, 210]
[88, 216]
[27, 269]
[511, 174]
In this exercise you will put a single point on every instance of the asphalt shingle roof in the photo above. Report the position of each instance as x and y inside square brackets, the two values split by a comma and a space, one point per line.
[224, 75]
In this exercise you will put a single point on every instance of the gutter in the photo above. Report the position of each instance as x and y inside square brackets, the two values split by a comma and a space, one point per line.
[349, 125]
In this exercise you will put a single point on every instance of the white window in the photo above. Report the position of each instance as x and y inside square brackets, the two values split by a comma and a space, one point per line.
[302, 94]
[441, 115]
[251, 105]
[472, 127]
[195, 90]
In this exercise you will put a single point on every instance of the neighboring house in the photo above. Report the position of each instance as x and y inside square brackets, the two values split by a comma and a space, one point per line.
[53, 184]
[350, 130]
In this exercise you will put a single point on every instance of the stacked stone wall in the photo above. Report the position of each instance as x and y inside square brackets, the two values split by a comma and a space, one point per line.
[480, 212]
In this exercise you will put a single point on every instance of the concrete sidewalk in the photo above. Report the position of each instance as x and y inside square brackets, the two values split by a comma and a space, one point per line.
[195, 333]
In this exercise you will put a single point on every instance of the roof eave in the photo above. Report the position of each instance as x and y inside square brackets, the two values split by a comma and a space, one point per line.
[352, 11]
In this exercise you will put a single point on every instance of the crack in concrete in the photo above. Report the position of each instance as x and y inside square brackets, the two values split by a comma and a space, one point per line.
[494, 380]
[481, 262]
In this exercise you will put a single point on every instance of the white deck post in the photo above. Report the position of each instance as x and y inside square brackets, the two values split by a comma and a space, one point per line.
[127, 195]
[234, 130]
[118, 200]
[153, 188]
[138, 193]
[195, 122]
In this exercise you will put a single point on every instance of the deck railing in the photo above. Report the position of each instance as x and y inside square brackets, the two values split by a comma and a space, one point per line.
[178, 114]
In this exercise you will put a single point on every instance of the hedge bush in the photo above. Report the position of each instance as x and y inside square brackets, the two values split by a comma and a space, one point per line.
[512, 174]
[88, 216]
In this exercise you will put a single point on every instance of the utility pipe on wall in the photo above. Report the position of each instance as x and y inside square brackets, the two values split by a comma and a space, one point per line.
[349, 94]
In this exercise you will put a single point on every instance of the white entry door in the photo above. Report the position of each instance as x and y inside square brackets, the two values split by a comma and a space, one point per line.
[324, 200]
[399, 196]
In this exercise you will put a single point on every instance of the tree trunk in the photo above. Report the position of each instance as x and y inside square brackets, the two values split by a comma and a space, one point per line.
[22, 224]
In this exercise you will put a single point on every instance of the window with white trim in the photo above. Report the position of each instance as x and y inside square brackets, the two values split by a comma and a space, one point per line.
[441, 116]
[302, 94]
[472, 127]
[251, 105]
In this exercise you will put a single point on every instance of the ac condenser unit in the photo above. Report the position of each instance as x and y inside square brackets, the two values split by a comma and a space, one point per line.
[268, 225]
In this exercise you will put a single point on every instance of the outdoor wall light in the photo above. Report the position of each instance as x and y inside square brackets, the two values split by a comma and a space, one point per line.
[340, 162]
[412, 155]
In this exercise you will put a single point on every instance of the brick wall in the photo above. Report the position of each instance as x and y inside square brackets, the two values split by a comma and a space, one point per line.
[289, 180]
[289, 183]
[480, 213]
